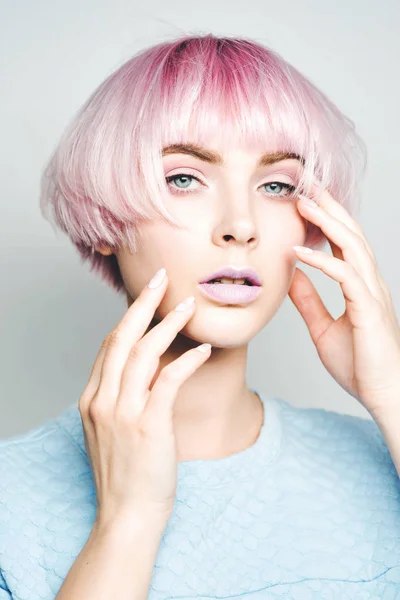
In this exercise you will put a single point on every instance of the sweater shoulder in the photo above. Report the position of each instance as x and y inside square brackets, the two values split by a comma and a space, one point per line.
[337, 436]
[33, 462]
[47, 505]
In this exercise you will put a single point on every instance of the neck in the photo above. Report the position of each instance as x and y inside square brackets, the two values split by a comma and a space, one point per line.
[215, 414]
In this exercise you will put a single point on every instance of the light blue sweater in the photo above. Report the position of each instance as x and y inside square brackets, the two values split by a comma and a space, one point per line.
[310, 511]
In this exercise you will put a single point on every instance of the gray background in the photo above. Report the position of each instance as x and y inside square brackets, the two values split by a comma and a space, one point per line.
[54, 313]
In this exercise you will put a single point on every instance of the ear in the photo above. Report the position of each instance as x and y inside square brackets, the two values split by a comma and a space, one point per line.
[104, 250]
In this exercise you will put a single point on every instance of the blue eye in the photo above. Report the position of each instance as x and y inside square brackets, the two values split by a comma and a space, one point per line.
[286, 186]
[188, 178]
[180, 176]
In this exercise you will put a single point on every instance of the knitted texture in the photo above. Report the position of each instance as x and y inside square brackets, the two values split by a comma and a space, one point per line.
[310, 511]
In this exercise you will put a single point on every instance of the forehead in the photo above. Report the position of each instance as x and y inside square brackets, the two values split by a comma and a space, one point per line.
[214, 157]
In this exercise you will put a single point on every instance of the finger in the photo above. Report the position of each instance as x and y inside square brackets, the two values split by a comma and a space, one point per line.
[352, 246]
[361, 304]
[144, 358]
[126, 334]
[160, 405]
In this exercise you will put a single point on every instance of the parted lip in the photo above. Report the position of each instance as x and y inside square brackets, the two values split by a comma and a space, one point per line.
[231, 272]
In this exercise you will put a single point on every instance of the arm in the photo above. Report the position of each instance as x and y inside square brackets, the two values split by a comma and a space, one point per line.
[116, 562]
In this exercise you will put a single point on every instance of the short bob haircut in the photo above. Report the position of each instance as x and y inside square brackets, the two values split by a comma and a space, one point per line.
[106, 176]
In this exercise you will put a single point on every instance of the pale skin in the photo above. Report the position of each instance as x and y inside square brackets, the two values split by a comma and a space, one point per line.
[232, 217]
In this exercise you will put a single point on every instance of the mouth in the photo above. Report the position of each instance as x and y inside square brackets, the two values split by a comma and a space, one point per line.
[231, 275]
[230, 292]
[230, 282]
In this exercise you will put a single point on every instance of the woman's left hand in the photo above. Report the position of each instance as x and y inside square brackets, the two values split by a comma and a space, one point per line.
[361, 349]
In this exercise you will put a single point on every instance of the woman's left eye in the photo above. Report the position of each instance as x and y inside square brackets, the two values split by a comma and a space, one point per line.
[286, 186]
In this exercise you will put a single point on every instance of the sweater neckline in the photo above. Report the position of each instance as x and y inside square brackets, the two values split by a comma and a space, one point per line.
[244, 465]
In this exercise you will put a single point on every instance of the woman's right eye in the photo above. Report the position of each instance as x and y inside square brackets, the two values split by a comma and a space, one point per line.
[181, 176]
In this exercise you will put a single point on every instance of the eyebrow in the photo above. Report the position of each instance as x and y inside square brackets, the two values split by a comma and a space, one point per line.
[213, 157]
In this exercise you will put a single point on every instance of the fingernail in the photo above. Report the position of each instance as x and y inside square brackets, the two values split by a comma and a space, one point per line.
[204, 348]
[157, 279]
[303, 249]
[185, 304]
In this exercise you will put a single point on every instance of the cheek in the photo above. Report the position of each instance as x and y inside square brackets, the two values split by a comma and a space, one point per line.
[152, 247]
[162, 244]
[156, 238]
[281, 234]
[287, 228]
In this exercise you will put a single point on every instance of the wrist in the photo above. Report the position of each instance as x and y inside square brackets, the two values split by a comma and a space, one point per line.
[121, 526]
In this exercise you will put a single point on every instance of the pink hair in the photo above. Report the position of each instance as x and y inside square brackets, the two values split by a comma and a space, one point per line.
[105, 176]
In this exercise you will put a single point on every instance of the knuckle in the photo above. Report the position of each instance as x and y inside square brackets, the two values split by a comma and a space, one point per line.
[114, 338]
[135, 352]
[98, 411]
[83, 403]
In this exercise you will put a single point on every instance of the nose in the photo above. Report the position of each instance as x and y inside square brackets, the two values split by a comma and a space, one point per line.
[240, 228]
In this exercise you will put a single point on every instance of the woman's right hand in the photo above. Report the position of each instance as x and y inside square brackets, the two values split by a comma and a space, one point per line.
[128, 430]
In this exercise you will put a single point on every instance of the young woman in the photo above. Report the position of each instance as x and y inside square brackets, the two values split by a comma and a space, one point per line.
[170, 478]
